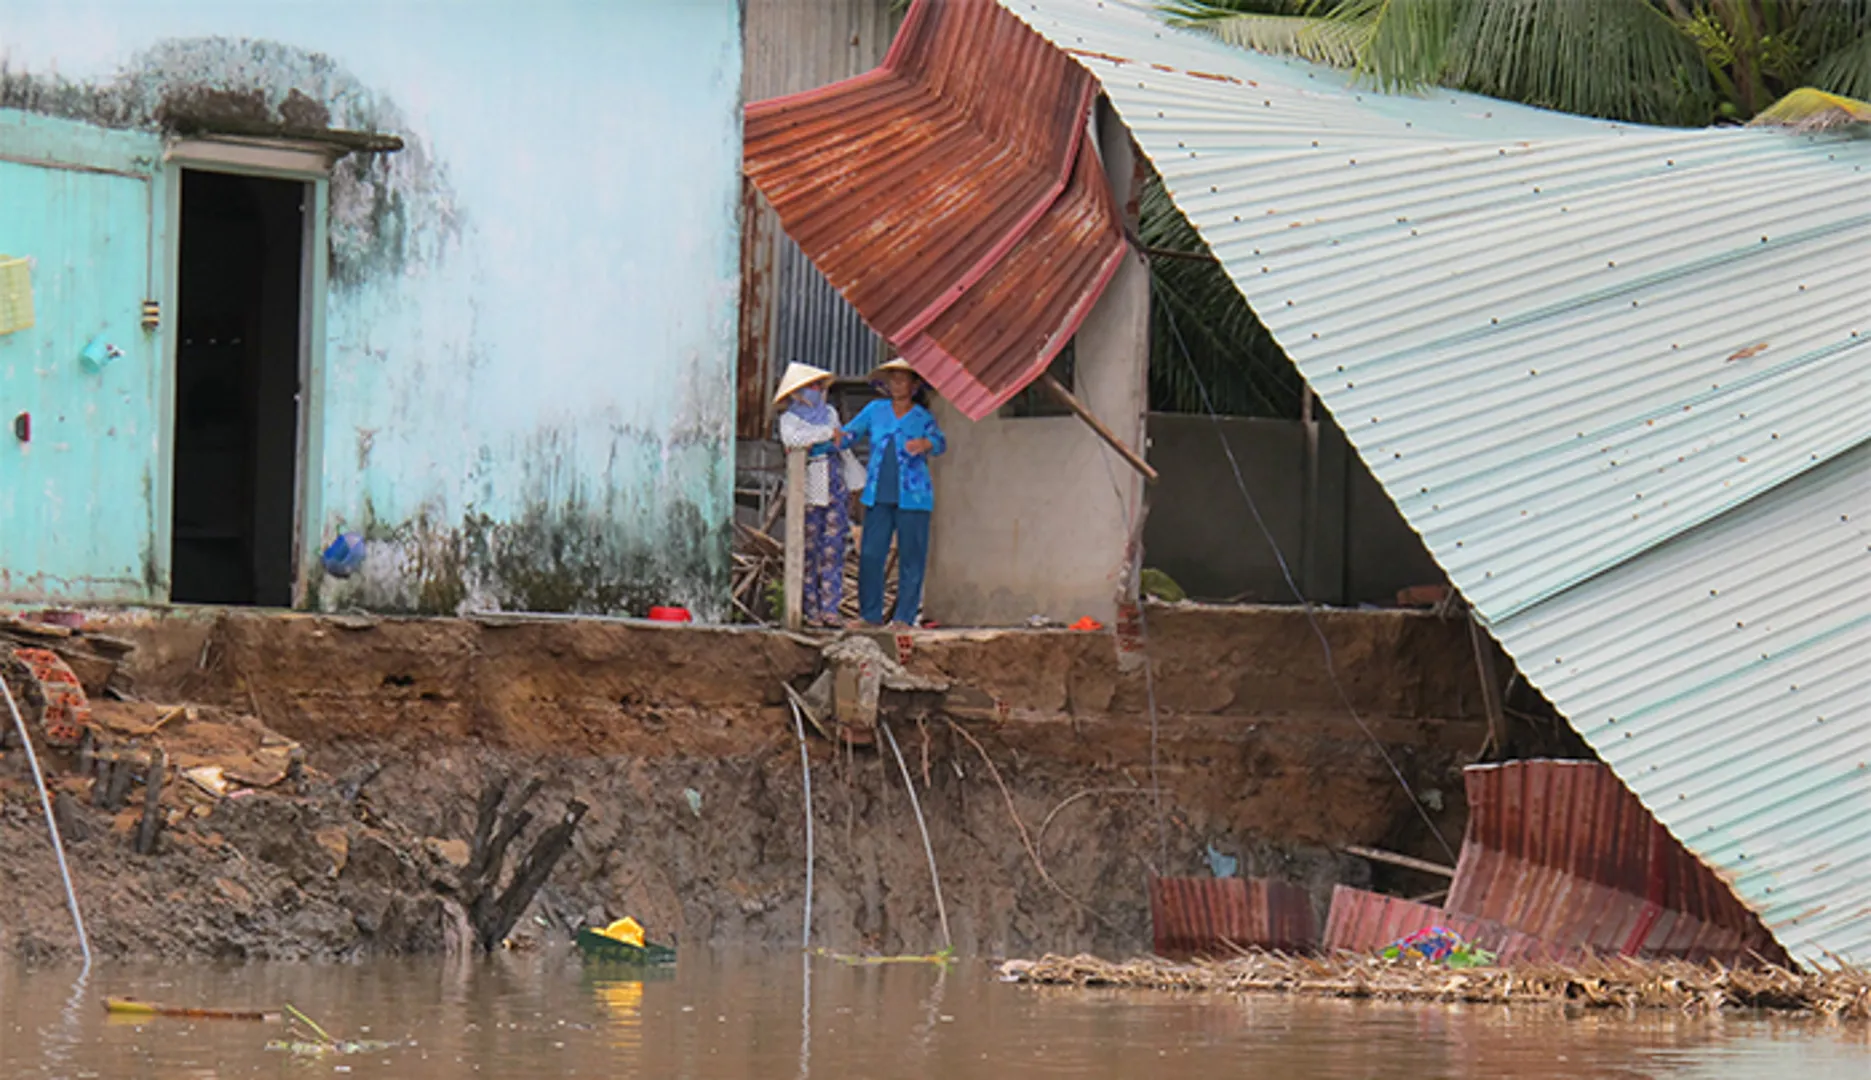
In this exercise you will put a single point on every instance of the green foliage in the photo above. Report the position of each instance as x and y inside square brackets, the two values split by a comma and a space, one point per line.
[1651, 61]
[1197, 307]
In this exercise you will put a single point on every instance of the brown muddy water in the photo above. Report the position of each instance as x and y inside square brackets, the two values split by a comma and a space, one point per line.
[748, 1015]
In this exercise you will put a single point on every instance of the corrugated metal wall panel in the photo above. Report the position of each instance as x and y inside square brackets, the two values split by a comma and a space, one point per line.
[1617, 379]
[788, 309]
[1214, 917]
[1366, 922]
[816, 325]
[1562, 851]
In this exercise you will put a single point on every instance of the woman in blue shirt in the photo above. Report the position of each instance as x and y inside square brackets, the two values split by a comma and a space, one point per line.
[898, 494]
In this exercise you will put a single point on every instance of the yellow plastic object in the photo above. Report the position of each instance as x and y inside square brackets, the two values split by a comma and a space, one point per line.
[15, 294]
[625, 930]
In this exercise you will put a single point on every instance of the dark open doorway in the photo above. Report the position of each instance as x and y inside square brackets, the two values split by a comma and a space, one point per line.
[239, 300]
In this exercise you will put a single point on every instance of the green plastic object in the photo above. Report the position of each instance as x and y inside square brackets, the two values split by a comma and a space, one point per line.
[607, 950]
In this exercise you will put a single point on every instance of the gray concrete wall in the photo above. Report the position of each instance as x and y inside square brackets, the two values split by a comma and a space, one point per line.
[1341, 535]
[1033, 514]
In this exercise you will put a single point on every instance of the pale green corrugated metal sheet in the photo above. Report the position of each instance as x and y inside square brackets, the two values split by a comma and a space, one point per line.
[1619, 378]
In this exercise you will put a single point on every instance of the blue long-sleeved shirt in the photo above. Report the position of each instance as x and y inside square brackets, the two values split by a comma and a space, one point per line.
[888, 432]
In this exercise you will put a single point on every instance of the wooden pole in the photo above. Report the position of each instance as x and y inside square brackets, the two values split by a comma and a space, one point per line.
[1405, 861]
[151, 825]
[795, 579]
[1490, 688]
[1064, 397]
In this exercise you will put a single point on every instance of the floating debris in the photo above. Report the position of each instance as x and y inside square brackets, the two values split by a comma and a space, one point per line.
[940, 958]
[1608, 983]
[311, 1040]
[124, 1007]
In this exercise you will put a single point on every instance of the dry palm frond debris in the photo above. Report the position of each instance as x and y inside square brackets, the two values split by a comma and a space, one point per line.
[1596, 983]
[760, 560]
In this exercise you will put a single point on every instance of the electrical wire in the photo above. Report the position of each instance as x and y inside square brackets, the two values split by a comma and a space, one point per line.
[1286, 573]
[51, 823]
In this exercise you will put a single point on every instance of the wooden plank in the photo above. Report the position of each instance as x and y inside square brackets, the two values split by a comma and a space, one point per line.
[795, 571]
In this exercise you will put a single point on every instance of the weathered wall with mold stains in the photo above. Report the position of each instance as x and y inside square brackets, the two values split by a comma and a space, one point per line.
[527, 385]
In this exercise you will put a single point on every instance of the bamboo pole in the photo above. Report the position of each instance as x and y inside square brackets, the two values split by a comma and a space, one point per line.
[1064, 397]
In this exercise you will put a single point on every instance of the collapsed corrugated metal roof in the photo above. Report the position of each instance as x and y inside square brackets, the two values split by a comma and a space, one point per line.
[1619, 378]
[951, 195]
[1561, 851]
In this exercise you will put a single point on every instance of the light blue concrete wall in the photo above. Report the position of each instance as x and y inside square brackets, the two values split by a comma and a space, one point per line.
[77, 496]
[527, 388]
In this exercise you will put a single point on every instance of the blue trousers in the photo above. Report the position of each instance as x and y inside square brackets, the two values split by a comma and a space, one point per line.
[911, 528]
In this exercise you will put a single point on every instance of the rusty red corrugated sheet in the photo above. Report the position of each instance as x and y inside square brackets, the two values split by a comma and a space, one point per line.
[1562, 850]
[1212, 916]
[1365, 922]
[951, 195]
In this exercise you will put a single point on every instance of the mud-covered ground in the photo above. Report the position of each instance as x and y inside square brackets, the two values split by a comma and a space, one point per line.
[679, 745]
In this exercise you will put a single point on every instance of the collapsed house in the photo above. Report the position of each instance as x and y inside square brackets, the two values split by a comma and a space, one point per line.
[1613, 376]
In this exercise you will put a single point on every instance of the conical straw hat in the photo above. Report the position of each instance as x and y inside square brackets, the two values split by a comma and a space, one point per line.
[798, 376]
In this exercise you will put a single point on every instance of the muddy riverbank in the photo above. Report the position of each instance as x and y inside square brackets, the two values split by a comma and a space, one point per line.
[679, 742]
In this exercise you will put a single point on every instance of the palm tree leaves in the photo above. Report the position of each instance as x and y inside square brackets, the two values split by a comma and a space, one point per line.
[1652, 61]
[1620, 59]
[1207, 348]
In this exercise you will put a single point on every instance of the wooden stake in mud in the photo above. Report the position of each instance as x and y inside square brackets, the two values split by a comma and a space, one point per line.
[152, 803]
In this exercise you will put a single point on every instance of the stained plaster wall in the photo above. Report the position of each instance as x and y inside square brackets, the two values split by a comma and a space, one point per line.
[1034, 515]
[526, 391]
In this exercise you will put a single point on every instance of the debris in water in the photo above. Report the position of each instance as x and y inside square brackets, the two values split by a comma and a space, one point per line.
[311, 1040]
[124, 1007]
[1612, 982]
[1440, 945]
[941, 958]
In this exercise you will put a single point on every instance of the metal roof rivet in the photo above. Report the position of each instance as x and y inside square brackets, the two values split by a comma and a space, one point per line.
[1315, 335]
[1412, 232]
[1739, 625]
[1627, 734]
[1398, 455]
[1712, 592]
[1611, 262]
[1536, 189]
[1213, 189]
[1533, 371]
[1315, 142]
[1672, 161]
[1763, 239]
[1493, 321]
[1354, 161]
[1633, 303]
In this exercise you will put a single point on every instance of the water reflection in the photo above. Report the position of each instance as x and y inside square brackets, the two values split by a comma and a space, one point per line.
[746, 1016]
